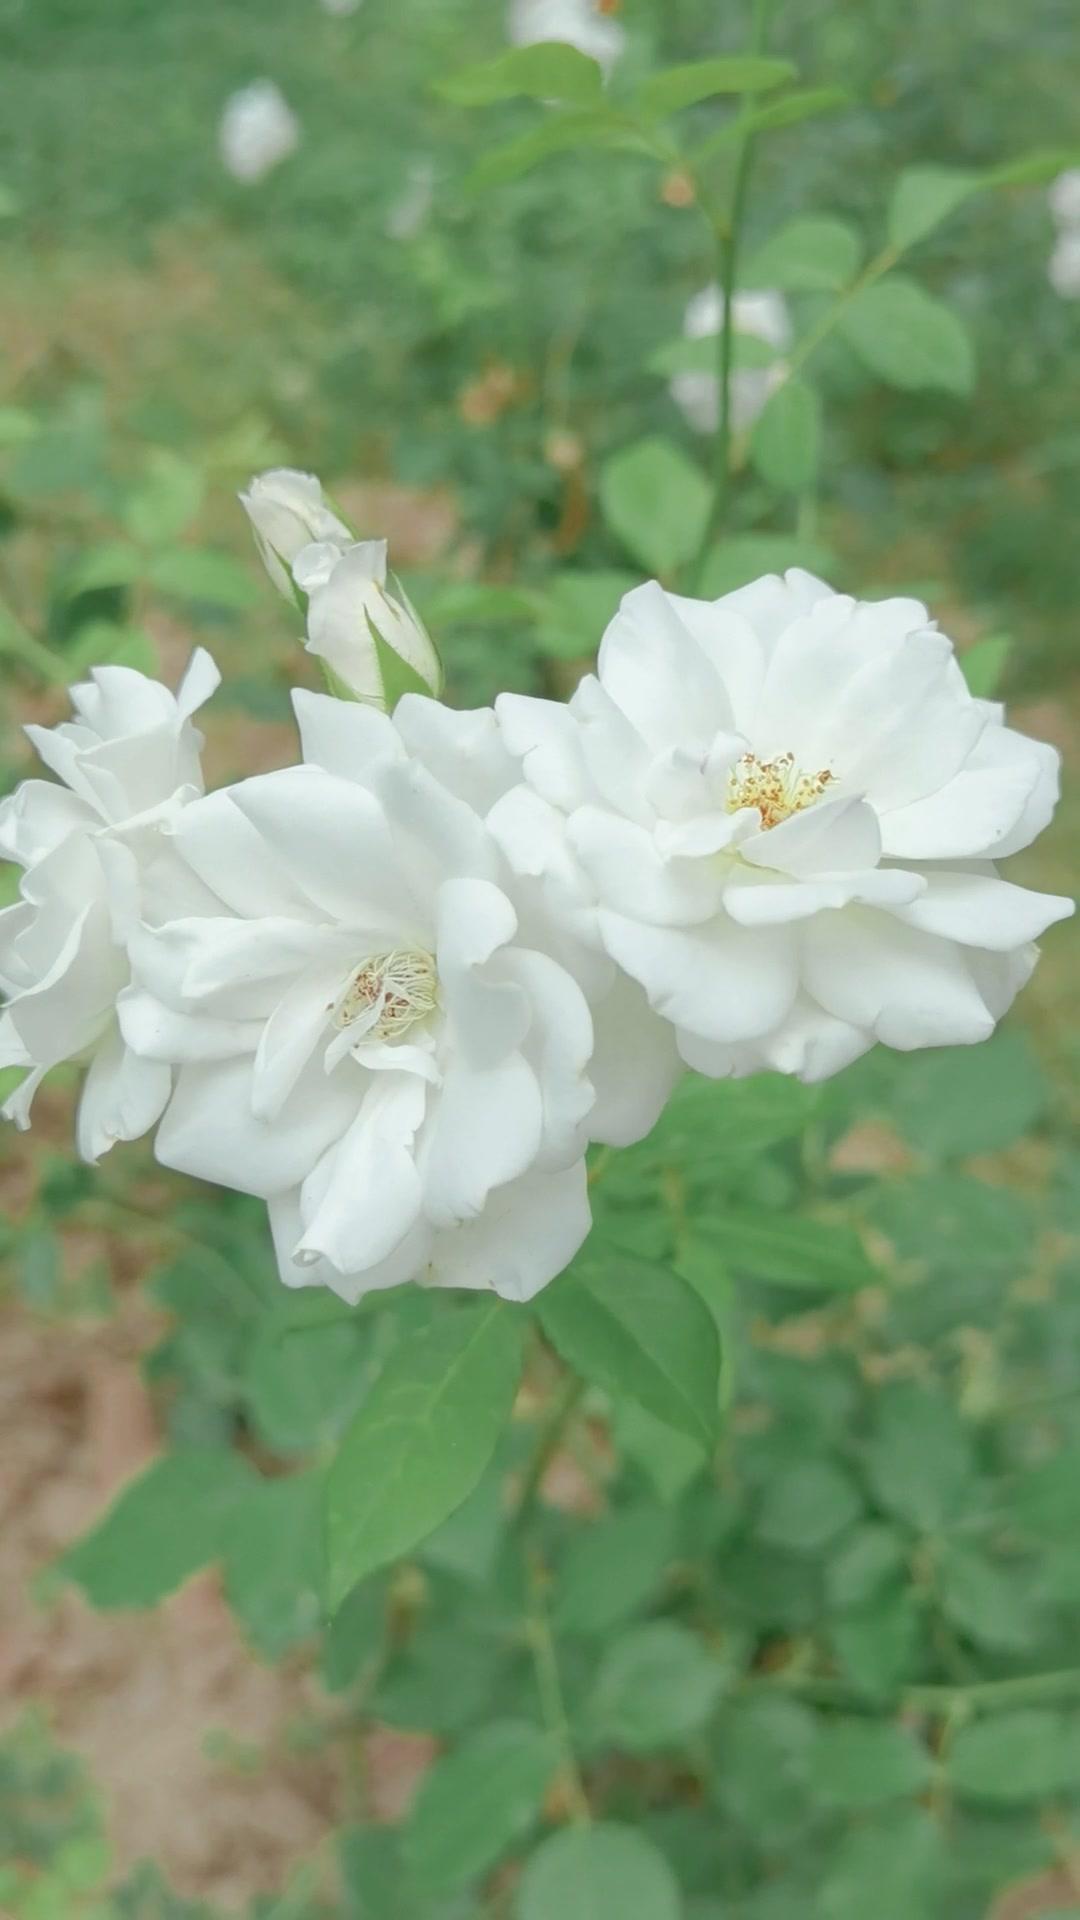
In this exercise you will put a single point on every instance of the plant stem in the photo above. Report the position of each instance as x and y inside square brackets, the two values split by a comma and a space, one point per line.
[981, 1696]
[552, 1434]
[552, 1699]
[727, 230]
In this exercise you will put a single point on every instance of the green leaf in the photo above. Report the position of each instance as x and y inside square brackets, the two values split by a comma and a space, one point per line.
[748, 555]
[786, 441]
[983, 664]
[804, 103]
[548, 70]
[674, 87]
[166, 500]
[668, 1458]
[814, 254]
[639, 1330]
[807, 1506]
[908, 338]
[869, 1560]
[925, 196]
[989, 1603]
[201, 574]
[303, 1381]
[657, 502]
[475, 1803]
[577, 607]
[857, 1764]
[422, 1439]
[274, 1562]
[920, 1461]
[17, 425]
[115, 563]
[561, 133]
[711, 1120]
[1012, 1757]
[657, 1684]
[1033, 169]
[957, 1101]
[612, 1569]
[597, 1873]
[891, 1866]
[175, 1518]
[877, 1645]
[790, 1250]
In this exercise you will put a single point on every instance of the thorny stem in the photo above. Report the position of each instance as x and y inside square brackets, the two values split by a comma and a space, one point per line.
[552, 1699]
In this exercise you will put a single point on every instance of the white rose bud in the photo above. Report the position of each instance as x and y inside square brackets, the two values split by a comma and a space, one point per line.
[288, 510]
[362, 625]
[258, 131]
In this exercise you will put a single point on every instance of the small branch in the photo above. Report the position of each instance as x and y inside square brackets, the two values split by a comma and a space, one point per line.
[552, 1700]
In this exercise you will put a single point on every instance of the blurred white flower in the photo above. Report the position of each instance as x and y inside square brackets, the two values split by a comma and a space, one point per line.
[361, 623]
[762, 315]
[258, 130]
[128, 763]
[410, 210]
[1063, 270]
[577, 23]
[341, 7]
[365, 1036]
[781, 814]
[288, 510]
[1063, 198]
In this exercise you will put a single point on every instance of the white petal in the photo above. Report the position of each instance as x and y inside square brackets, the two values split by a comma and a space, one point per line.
[761, 899]
[634, 1066]
[528, 1232]
[979, 910]
[489, 1015]
[210, 1130]
[825, 837]
[558, 1047]
[201, 678]
[908, 988]
[407, 1262]
[617, 759]
[464, 751]
[657, 674]
[230, 856]
[1005, 748]
[971, 817]
[156, 1032]
[437, 834]
[343, 737]
[370, 1189]
[334, 841]
[722, 981]
[629, 875]
[728, 639]
[484, 1129]
[544, 736]
[810, 1044]
[233, 969]
[121, 1099]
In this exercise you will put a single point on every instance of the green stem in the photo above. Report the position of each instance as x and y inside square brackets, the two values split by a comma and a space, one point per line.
[983, 1696]
[728, 233]
[552, 1698]
[552, 1435]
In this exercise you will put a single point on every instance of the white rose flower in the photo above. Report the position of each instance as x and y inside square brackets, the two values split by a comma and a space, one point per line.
[577, 23]
[361, 623]
[258, 131]
[1063, 271]
[781, 813]
[128, 763]
[1063, 198]
[288, 510]
[761, 315]
[366, 1037]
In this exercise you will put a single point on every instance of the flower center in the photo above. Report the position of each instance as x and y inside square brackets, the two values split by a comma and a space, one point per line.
[777, 788]
[388, 994]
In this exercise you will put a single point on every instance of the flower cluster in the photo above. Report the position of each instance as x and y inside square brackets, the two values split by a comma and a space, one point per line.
[396, 989]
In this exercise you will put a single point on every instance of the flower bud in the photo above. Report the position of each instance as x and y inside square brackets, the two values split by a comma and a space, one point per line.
[362, 625]
[288, 510]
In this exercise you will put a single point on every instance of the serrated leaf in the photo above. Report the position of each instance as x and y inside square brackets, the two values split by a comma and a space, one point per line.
[596, 1873]
[638, 1330]
[422, 1439]
[786, 441]
[925, 196]
[561, 133]
[657, 1684]
[1031, 1754]
[657, 502]
[547, 70]
[814, 254]
[172, 1520]
[909, 338]
[475, 1803]
[683, 86]
[790, 1250]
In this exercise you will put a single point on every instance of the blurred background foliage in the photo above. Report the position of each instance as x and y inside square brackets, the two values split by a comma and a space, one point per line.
[837, 1672]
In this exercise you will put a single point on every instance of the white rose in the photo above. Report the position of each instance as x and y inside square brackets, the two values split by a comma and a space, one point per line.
[1063, 198]
[362, 624]
[366, 1040]
[761, 315]
[1063, 271]
[128, 763]
[258, 130]
[288, 510]
[781, 813]
[577, 23]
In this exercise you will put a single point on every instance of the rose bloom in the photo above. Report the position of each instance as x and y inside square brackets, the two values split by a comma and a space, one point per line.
[759, 315]
[781, 813]
[89, 844]
[289, 511]
[577, 23]
[258, 131]
[369, 1034]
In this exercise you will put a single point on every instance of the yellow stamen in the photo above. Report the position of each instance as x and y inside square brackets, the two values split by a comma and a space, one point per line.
[388, 994]
[776, 788]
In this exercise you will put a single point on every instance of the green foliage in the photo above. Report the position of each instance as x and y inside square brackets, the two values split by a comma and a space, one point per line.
[589, 1871]
[656, 502]
[909, 338]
